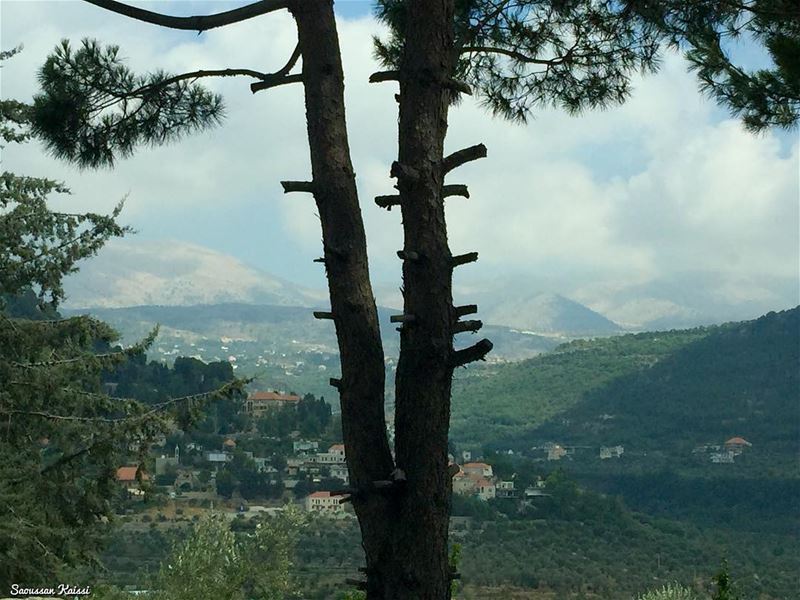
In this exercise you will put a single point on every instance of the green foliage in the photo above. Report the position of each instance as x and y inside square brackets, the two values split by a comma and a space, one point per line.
[723, 585]
[40, 246]
[670, 591]
[738, 380]
[63, 437]
[522, 55]
[707, 30]
[92, 109]
[241, 473]
[495, 404]
[454, 561]
[215, 563]
[310, 416]
[226, 484]
[579, 54]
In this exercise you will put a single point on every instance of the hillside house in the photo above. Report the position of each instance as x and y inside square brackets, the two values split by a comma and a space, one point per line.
[737, 445]
[505, 489]
[304, 446]
[607, 452]
[485, 489]
[463, 485]
[259, 403]
[334, 456]
[126, 477]
[478, 469]
[324, 502]
[340, 472]
[217, 458]
[555, 452]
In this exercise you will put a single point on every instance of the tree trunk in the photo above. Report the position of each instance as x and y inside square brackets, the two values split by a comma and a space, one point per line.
[404, 522]
[353, 308]
[424, 373]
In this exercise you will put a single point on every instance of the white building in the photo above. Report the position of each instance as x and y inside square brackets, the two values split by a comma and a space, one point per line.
[607, 452]
[324, 502]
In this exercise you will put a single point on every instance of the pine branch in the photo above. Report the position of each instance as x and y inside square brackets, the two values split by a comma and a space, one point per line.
[127, 419]
[195, 75]
[194, 23]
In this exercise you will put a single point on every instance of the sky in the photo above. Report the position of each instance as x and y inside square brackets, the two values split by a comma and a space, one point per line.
[665, 199]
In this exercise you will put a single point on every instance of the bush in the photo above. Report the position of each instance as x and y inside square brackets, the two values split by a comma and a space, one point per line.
[671, 591]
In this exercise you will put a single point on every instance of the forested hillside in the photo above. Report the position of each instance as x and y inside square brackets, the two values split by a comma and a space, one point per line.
[661, 393]
[493, 404]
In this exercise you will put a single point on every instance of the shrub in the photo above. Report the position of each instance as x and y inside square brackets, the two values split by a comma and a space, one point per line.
[671, 591]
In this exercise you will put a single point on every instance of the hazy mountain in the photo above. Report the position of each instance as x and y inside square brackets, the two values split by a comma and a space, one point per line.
[548, 314]
[176, 274]
[688, 299]
[281, 329]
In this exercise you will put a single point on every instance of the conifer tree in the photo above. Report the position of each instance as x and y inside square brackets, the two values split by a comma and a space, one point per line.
[61, 435]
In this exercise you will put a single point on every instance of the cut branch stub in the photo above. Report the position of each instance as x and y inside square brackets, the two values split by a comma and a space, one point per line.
[382, 76]
[408, 255]
[467, 309]
[455, 190]
[388, 202]
[402, 319]
[462, 326]
[318, 314]
[456, 159]
[458, 86]
[298, 186]
[463, 259]
[475, 352]
[275, 81]
[337, 383]
[401, 171]
[321, 259]
[453, 470]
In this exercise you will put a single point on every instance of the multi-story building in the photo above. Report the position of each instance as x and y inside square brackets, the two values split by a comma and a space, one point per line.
[324, 502]
[258, 403]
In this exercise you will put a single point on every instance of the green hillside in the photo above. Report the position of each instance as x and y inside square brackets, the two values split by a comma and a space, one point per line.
[493, 404]
[663, 393]
[741, 380]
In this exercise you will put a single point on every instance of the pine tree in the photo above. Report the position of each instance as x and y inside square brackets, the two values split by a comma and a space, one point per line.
[61, 436]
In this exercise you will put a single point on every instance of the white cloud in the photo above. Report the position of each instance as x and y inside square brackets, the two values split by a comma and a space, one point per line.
[661, 188]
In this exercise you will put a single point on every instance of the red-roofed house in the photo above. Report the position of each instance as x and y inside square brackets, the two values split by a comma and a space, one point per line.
[736, 445]
[737, 442]
[478, 469]
[126, 477]
[260, 402]
[324, 502]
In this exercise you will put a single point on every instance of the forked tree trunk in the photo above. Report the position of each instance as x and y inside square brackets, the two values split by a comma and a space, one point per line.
[404, 526]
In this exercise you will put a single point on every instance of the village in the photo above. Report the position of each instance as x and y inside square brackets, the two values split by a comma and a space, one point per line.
[186, 475]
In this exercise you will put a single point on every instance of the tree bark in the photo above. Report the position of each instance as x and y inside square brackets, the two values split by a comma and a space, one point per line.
[353, 307]
[421, 566]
